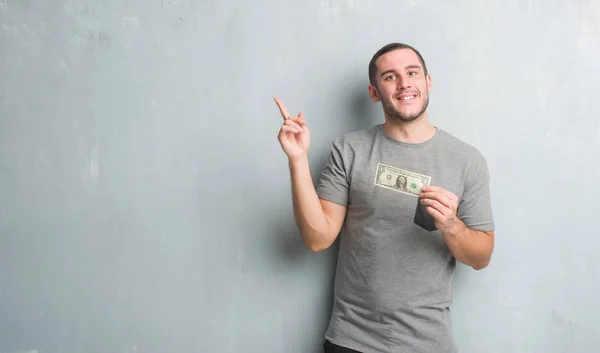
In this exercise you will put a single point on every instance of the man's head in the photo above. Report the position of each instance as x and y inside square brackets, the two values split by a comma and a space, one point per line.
[401, 182]
[399, 80]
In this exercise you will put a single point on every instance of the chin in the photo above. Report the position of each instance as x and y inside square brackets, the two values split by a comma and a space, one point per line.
[405, 116]
[400, 111]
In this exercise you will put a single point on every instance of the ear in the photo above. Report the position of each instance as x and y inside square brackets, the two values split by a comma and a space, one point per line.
[429, 84]
[373, 94]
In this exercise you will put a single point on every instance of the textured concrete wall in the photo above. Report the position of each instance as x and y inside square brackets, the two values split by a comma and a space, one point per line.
[145, 202]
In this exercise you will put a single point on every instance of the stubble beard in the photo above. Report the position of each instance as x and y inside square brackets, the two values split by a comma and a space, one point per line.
[396, 115]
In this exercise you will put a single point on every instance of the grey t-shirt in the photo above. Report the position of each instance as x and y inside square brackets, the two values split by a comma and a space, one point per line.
[393, 284]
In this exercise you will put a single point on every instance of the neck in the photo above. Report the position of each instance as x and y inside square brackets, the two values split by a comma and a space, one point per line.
[416, 131]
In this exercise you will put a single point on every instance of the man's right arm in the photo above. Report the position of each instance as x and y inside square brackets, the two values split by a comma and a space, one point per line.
[319, 221]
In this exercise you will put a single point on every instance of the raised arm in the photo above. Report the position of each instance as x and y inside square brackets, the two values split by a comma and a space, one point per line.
[318, 220]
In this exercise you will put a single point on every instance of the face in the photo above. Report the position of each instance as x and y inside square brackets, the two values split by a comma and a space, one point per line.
[402, 86]
[401, 182]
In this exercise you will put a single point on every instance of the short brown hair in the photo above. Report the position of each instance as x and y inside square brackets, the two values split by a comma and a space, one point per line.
[386, 49]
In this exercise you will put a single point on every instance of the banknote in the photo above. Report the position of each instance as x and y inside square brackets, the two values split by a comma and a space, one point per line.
[400, 180]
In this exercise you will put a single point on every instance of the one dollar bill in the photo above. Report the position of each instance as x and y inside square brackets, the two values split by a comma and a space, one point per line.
[400, 180]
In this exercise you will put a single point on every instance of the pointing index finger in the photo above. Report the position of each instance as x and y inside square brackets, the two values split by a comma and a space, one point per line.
[282, 109]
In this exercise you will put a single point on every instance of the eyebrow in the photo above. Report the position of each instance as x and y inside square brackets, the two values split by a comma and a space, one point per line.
[406, 67]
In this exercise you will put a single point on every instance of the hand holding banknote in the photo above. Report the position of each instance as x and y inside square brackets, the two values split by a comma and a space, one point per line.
[442, 205]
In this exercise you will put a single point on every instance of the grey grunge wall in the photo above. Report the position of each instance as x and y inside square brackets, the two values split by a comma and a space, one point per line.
[145, 202]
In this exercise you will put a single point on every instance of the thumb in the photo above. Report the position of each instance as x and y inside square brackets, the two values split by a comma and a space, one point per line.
[301, 118]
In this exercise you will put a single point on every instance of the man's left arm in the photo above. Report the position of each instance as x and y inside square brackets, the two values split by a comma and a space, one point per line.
[466, 224]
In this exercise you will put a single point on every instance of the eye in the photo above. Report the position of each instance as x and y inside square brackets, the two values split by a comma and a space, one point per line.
[412, 73]
[389, 77]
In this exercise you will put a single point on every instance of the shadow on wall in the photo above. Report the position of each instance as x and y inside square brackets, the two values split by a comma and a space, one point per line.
[293, 259]
[362, 111]
[271, 251]
[290, 246]
[281, 252]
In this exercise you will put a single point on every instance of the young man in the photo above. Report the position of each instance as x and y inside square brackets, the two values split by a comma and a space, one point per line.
[409, 200]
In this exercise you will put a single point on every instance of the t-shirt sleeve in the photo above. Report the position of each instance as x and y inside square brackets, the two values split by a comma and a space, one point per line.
[475, 206]
[333, 183]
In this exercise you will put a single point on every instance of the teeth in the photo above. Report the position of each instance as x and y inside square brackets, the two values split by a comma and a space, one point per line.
[406, 98]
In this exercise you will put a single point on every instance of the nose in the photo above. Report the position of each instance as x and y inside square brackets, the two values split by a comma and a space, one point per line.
[403, 82]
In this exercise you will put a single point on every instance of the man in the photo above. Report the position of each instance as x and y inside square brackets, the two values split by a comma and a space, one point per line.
[393, 285]
[401, 182]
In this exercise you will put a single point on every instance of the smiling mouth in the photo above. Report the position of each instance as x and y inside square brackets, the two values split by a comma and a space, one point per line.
[406, 97]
